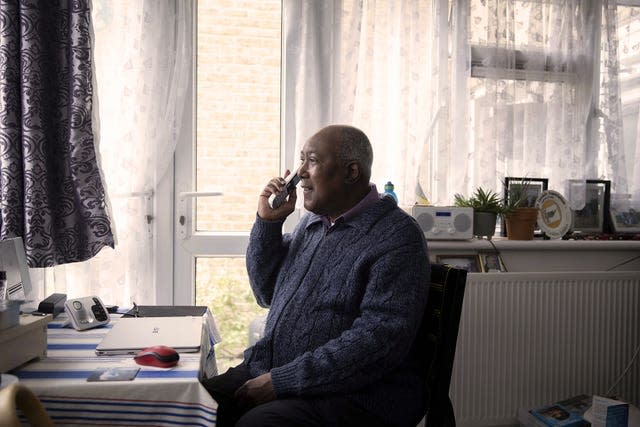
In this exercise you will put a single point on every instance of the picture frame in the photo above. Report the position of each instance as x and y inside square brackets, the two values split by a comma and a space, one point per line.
[625, 219]
[469, 262]
[535, 187]
[490, 262]
[593, 218]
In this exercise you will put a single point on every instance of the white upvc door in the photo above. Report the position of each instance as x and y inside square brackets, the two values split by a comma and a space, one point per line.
[230, 150]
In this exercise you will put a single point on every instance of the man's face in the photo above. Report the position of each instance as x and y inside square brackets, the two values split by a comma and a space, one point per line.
[322, 177]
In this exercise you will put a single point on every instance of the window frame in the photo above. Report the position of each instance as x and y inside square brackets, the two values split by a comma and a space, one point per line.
[188, 244]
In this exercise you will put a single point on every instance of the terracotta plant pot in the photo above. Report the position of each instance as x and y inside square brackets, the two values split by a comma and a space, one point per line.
[521, 223]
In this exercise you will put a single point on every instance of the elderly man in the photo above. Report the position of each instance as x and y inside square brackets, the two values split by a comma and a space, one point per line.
[346, 291]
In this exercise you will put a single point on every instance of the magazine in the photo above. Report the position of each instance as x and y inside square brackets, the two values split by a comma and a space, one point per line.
[558, 415]
[567, 412]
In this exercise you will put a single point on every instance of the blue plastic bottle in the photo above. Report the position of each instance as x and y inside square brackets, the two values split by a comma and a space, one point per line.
[388, 189]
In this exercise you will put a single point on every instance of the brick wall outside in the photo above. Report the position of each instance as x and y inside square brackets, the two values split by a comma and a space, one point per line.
[238, 148]
[238, 104]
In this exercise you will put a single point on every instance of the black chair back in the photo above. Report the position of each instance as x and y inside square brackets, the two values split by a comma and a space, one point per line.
[440, 327]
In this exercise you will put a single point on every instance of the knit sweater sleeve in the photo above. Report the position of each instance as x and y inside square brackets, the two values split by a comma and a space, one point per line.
[265, 252]
[379, 339]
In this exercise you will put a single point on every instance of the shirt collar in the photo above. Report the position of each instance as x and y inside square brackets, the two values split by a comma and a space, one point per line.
[370, 199]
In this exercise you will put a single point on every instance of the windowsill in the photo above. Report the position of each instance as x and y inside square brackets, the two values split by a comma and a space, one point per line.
[502, 243]
[547, 255]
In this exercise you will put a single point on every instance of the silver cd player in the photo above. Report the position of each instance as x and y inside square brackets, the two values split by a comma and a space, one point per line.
[444, 222]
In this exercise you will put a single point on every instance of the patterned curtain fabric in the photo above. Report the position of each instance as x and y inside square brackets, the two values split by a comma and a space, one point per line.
[143, 67]
[51, 192]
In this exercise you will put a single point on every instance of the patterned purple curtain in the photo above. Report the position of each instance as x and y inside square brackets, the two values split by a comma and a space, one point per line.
[51, 192]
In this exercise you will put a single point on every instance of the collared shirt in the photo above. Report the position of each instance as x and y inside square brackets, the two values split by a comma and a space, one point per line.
[371, 198]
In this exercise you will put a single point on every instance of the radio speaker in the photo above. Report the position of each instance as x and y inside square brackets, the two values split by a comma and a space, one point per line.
[444, 223]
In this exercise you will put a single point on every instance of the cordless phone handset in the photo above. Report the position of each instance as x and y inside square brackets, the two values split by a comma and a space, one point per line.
[276, 200]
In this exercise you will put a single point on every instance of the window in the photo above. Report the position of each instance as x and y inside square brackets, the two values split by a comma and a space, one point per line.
[238, 109]
[515, 80]
[236, 150]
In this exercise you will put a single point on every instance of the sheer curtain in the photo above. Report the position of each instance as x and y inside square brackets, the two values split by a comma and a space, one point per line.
[629, 60]
[530, 96]
[362, 63]
[456, 95]
[619, 133]
[142, 70]
[528, 103]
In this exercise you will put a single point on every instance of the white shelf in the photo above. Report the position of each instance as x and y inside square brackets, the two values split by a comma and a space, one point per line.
[549, 255]
[536, 245]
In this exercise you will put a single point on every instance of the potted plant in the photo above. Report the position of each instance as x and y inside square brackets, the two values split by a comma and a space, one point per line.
[519, 215]
[486, 206]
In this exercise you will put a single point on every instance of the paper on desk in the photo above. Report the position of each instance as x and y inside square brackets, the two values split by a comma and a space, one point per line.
[113, 374]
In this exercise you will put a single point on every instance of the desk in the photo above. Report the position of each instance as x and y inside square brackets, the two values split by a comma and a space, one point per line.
[156, 397]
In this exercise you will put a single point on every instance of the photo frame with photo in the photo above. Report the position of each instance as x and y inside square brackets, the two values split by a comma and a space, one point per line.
[625, 218]
[593, 218]
[535, 187]
[490, 262]
[469, 262]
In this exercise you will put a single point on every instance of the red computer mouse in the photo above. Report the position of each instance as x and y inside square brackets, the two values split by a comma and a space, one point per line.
[159, 356]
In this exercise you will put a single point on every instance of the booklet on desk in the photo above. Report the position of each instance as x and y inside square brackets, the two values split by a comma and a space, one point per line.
[557, 415]
[113, 374]
[568, 412]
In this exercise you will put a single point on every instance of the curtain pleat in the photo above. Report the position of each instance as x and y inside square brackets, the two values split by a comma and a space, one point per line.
[610, 105]
[51, 192]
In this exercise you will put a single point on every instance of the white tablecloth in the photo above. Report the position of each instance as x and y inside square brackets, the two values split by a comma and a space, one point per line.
[156, 397]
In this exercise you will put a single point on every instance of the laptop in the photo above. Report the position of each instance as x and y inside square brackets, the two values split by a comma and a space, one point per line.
[132, 334]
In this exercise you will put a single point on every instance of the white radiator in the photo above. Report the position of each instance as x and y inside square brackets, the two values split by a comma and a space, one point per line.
[529, 339]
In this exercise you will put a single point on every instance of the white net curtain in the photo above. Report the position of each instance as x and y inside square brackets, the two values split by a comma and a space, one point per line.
[456, 95]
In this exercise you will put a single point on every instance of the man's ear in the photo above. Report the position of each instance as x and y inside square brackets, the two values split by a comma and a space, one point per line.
[353, 173]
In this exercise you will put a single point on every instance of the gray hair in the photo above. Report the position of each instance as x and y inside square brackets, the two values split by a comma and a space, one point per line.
[356, 147]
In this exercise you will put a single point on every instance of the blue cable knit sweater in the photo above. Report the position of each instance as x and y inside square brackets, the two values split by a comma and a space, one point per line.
[345, 306]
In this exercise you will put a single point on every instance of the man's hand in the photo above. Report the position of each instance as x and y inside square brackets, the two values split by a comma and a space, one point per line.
[256, 391]
[265, 211]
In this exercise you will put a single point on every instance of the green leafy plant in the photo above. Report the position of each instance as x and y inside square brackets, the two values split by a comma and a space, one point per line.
[234, 307]
[517, 197]
[481, 201]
